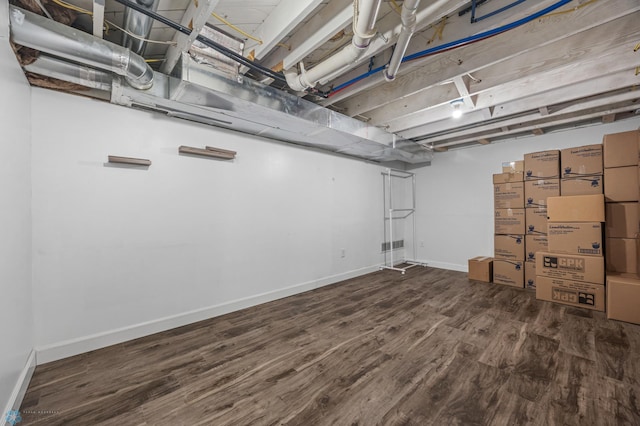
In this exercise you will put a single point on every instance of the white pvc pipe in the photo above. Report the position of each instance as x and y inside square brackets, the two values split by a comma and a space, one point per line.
[386, 39]
[408, 16]
[364, 20]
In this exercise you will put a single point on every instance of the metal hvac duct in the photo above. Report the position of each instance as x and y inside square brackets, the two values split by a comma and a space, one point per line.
[138, 24]
[196, 92]
[46, 35]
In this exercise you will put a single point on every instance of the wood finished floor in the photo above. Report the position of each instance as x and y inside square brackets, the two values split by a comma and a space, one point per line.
[427, 348]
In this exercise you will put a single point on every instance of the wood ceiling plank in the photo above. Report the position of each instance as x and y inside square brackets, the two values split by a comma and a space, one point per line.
[530, 119]
[472, 58]
[524, 127]
[520, 80]
[426, 36]
[317, 30]
[280, 22]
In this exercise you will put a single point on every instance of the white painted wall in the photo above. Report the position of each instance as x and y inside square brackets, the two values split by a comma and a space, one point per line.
[16, 324]
[120, 253]
[455, 201]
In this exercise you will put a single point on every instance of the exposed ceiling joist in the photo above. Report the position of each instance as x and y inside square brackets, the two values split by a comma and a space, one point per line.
[389, 29]
[98, 18]
[195, 17]
[574, 66]
[284, 18]
[523, 129]
[320, 28]
[462, 85]
[628, 100]
[549, 74]
[471, 59]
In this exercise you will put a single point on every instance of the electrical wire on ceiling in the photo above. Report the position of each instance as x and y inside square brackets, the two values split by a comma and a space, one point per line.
[107, 23]
[457, 43]
[243, 32]
[562, 12]
[235, 28]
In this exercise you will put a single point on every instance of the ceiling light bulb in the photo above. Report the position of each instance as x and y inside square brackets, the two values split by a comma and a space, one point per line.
[457, 108]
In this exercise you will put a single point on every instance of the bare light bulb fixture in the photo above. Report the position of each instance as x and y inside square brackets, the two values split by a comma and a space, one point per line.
[457, 108]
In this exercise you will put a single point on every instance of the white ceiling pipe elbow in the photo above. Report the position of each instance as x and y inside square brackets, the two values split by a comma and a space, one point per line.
[408, 16]
[43, 34]
[388, 36]
[364, 20]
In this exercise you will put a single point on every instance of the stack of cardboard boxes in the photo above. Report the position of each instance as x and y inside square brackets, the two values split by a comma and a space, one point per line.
[508, 268]
[542, 174]
[550, 232]
[572, 270]
[621, 153]
[621, 194]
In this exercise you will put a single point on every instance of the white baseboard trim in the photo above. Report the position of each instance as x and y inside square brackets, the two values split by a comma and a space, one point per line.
[20, 389]
[65, 349]
[449, 266]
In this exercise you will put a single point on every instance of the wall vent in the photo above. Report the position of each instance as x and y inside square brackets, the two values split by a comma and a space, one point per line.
[396, 245]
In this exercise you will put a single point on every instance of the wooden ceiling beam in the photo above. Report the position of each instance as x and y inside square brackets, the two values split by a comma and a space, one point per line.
[473, 58]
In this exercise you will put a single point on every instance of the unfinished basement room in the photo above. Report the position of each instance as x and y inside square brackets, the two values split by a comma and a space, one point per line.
[320, 212]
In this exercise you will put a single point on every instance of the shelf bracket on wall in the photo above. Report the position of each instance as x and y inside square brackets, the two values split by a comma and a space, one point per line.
[210, 152]
[129, 160]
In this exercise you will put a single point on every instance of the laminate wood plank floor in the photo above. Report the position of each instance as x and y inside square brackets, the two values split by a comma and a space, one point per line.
[425, 348]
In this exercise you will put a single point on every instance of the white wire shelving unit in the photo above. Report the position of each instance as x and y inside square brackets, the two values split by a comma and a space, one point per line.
[393, 214]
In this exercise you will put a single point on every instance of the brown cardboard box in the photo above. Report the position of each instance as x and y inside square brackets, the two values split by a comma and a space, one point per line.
[508, 195]
[576, 208]
[530, 275]
[570, 267]
[576, 238]
[623, 298]
[508, 272]
[638, 253]
[581, 161]
[621, 149]
[574, 293]
[509, 221]
[621, 184]
[534, 244]
[508, 177]
[542, 165]
[481, 269]
[536, 192]
[536, 221]
[586, 185]
[622, 255]
[510, 247]
[622, 220]
[513, 166]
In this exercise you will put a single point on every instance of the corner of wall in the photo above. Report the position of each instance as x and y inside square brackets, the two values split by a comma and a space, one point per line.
[20, 389]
